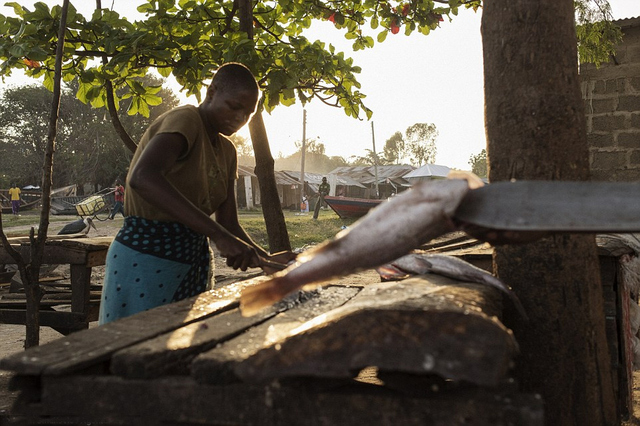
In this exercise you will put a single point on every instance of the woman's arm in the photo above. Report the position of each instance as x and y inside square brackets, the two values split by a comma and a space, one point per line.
[227, 216]
[148, 178]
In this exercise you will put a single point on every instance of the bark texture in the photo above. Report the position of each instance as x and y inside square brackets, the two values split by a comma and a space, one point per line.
[535, 128]
[271, 208]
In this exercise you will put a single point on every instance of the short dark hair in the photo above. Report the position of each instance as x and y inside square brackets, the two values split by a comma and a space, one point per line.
[234, 74]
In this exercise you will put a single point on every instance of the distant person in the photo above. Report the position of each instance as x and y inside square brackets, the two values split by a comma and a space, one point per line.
[323, 190]
[14, 193]
[304, 206]
[118, 194]
[181, 175]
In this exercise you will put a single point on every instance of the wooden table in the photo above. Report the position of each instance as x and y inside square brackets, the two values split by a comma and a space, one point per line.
[81, 254]
[426, 350]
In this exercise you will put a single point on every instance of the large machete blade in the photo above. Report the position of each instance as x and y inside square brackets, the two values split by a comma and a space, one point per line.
[555, 206]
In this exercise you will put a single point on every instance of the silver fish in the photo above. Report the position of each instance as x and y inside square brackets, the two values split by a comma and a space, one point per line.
[448, 266]
[389, 231]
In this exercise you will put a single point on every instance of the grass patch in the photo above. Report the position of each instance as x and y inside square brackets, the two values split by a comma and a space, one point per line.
[28, 218]
[302, 229]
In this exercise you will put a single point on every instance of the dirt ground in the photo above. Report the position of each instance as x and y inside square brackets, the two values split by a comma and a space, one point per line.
[12, 336]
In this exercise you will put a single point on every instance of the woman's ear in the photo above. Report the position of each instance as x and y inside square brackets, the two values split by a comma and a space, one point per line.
[211, 90]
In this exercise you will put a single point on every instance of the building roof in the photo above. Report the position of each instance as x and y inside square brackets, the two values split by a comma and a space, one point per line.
[628, 22]
[315, 179]
[245, 171]
[428, 170]
[367, 174]
[284, 179]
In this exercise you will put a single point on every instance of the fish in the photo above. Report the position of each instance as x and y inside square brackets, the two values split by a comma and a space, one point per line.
[389, 231]
[448, 266]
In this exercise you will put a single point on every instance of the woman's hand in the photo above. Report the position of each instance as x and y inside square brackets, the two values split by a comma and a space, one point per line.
[239, 254]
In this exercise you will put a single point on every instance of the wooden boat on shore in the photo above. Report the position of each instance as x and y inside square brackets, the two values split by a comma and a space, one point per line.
[347, 207]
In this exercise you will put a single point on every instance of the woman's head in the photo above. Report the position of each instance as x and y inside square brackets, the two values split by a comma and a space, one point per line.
[231, 98]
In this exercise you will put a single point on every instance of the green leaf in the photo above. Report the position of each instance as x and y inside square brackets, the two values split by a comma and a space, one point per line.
[18, 50]
[48, 81]
[37, 54]
[143, 108]
[164, 71]
[41, 12]
[153, 100]
[67, 77]
[137, 87]
[83, 89]
[99, 101]
[382, 36]
[133, 106]
[17, 8]
[145, 8]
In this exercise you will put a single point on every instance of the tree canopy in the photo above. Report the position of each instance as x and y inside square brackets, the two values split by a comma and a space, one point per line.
[417, 145]
[87, 149]
[190, 39]
[478, 163]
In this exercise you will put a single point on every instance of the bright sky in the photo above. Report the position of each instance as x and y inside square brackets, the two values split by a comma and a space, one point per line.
[416, 79]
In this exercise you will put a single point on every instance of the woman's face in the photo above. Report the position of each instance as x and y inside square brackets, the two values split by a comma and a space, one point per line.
[227, 110]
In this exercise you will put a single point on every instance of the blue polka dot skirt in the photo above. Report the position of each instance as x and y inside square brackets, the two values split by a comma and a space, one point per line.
[152, 263]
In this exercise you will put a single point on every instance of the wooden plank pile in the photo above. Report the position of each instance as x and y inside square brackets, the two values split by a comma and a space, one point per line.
[426, 350]
[70, 301]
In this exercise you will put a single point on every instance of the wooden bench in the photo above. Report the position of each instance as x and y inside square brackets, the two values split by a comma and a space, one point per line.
[427, 350]
[81, 254]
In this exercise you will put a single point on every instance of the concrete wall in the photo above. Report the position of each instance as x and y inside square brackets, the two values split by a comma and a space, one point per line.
[612, 105]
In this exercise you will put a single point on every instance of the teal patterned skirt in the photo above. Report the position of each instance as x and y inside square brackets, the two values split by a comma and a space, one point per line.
[152, 263]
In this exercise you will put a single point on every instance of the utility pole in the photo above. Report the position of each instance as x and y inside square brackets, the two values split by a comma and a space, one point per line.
[375, 159]
[303, 151]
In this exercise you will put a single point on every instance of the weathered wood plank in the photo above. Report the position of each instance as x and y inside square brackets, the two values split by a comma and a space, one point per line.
[67, 251]
[171, 353]
[26, 239]
[182, 401]
[217, 365]
[80, 283]
[96, 345]
[423, 325]
[61, 296]
[53, 319]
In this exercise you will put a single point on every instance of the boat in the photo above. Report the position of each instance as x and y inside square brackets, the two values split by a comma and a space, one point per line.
[347, 207]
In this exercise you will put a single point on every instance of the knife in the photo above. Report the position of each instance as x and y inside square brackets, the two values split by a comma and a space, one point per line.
[552, 206]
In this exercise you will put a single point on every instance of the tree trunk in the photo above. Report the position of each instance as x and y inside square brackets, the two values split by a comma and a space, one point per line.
[30, 272]
[271, 208]
[111, 106]
[535, 128]
[115, 120]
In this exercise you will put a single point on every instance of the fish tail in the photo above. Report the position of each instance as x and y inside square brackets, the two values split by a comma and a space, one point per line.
[516, 301]
[497, 283]
[255, 298]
